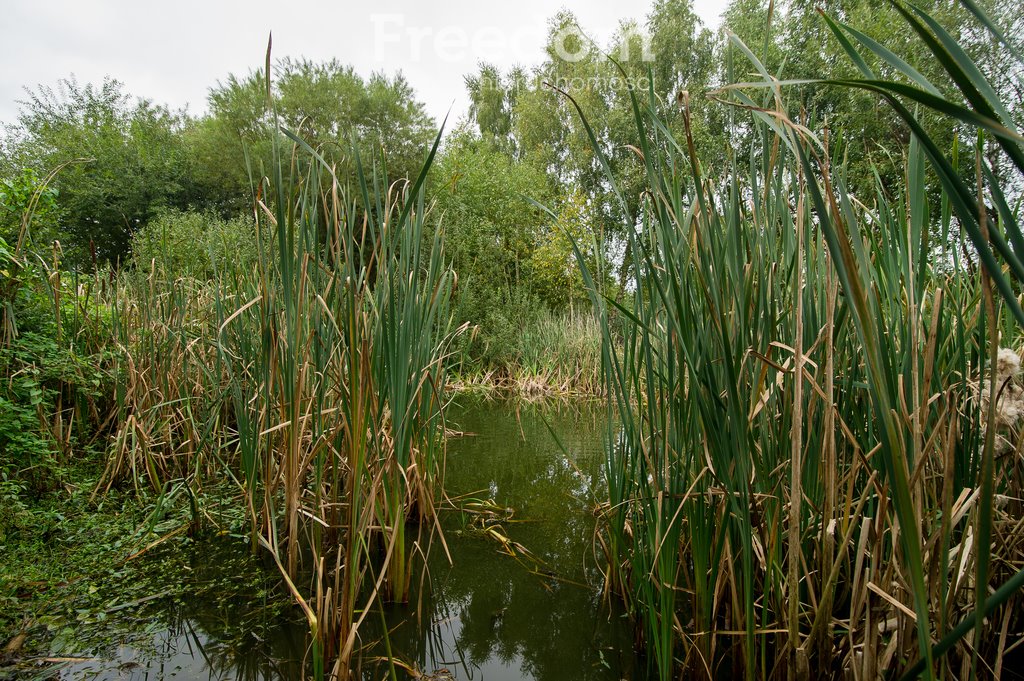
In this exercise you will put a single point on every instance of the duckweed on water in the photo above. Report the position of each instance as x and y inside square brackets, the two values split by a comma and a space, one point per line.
[84, 581]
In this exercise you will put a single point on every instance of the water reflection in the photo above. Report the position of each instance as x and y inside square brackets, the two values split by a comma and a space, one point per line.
[493, 617]
[488, 616]
[221, 630]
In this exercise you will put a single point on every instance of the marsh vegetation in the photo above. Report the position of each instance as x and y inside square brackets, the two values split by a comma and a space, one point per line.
[791, 276]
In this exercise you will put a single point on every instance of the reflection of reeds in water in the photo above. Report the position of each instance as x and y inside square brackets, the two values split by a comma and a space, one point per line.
[323, 368]
[800, 482]
[524, 597]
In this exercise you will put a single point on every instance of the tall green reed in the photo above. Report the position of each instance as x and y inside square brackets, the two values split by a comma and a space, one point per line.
[315, 378]
[341, 398]
[801, 475]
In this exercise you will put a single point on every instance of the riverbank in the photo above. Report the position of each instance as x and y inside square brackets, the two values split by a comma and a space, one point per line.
[86, 578]
[551, 356]
[527, 386]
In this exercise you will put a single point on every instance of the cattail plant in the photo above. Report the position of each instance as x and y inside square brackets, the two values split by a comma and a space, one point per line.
[315, 378]
[800, 474]
[335, 352]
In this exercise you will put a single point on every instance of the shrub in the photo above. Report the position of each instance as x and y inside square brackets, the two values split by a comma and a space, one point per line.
[195, 245]
[498, 317]
[18, 194]
[55, 379]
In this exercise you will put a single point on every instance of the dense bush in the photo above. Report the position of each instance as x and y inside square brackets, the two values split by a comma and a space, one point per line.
[515, 262]
[57, 385]
[498, 317]
[121, 161]
[196, 245]
[20, 193]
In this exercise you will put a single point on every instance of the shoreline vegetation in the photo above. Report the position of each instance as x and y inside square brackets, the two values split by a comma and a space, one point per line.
[809, 347]
[560, 356]
[812, 456]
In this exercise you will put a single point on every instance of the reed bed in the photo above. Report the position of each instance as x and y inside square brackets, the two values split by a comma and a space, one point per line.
[314, 377]
[560, 355]
[813, 460]
[341, 446]
[168, 416]
[557, 356]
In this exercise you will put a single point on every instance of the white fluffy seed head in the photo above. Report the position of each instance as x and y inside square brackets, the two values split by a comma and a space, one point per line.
[1007, 363]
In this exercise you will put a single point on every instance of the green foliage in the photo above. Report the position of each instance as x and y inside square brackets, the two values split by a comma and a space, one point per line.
[554, 273]
[491, 103]
[55, 381]
[277, 348]
[21, 194]
[483, 205]
[795, 43]
[124, 160]
[327, 103]
[368, 313]
[497, 317]
[491, 229]
[77, 577]
[514, 261]
[7, 262]
[196, 245]
[531, 120]
[49, 402]
[26, 451]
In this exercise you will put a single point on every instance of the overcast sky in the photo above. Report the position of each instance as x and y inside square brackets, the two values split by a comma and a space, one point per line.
[173, 52]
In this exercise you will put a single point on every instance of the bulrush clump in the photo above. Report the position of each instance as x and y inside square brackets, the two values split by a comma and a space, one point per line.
[794, 487]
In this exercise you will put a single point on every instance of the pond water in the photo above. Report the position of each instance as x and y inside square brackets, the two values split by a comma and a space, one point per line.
[520, 600]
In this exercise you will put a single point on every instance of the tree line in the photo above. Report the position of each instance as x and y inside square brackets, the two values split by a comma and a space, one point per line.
[127, 162]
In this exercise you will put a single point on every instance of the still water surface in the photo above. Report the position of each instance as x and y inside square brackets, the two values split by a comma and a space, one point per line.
[488, 616]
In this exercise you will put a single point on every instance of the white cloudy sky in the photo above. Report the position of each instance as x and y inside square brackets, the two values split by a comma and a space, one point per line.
[173, 52]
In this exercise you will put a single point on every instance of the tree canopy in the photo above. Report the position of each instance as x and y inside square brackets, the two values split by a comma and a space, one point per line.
[124, 160]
